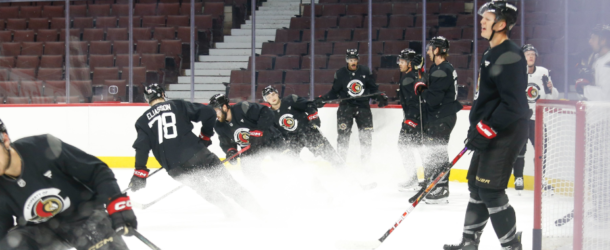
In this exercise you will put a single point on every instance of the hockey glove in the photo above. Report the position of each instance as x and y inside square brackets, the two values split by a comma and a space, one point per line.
[545, 84]
[123, 218]
[581, 84]
[319, 101]
[382, 100]
[410, 127]
[417, 62]
[230, 153]
[207, 141]
[138, 180]
[256, 139]
[419, 87]
[314, 119]
[479, 138]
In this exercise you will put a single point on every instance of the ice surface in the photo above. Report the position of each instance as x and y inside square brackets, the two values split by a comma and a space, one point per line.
[304, 216]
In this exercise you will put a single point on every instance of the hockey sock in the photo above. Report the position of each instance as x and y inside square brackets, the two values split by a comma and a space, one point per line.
[501, 213]
[476, 217]
[519, 165]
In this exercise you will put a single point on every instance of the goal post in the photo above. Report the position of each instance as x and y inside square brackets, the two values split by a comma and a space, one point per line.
[572, 175]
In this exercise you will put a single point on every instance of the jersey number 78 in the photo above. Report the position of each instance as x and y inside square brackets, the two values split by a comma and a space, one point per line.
[164, 126]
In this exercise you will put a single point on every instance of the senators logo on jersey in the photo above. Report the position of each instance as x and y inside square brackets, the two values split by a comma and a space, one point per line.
[355, 87]
[288, 122]
[532, 92]
[242, 137]
[44, 204]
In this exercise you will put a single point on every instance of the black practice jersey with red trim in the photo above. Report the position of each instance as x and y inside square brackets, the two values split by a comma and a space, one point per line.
[408, 99]
[499, 100]
[291, 117]
[56, 179]
[356, 83]
[246, 116]
[166, 129]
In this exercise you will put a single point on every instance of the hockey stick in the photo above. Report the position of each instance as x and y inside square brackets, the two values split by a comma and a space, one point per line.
[376, 243]
[351, 98]
[565, 219]
[151, 174]
[144, 240]
[145, 206]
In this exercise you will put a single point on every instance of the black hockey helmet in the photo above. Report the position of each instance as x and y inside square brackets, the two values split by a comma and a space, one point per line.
[153, 92]
[218, 100]
[352, 53]
[602, 30]
[529, 47]
[441, 43]
[410, 55]
[2, 130]
[268, 90]
[503, 11]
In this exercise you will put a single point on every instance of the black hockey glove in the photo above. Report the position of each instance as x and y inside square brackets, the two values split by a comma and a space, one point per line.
[230, 153]
[417, 62]
[382, 100]
[314, 119]
[256, 139]
[138, 180]
[419, 87]
[123, 218]
[479, 138]
[545, 83]
[319, 101]
[410, 127]
[207, 141]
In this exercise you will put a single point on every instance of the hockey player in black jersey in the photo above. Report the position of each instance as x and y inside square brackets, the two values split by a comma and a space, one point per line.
[354, 80]
[166, 129]
[57, 194]
[246, 124]
[410, 64]
[498, 130]
[439, 95]
[297, 119]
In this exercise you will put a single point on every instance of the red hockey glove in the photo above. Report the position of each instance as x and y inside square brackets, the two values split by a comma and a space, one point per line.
[256, 138]
[479, 138]
[207, 141]
[123, 218]
[138, 180]
[420, 87]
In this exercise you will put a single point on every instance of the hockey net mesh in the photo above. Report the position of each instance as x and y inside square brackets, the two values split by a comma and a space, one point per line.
[596, 229]
[559, 166]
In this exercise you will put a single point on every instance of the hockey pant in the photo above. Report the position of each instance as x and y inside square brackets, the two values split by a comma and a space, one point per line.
[93, 232]
[346, 115]
[409, 143]
[209, 178]
[520, 162]
[313, 140]
[435, 156]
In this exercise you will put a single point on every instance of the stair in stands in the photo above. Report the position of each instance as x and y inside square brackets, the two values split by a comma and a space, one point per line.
[233, 54]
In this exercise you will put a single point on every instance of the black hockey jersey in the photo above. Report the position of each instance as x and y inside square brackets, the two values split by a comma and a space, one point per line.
[246, 116]
[352, 84]
[499, 100]
[441, 96]
[166, 129]
[56, 178]
[408, 99]
[291, 117]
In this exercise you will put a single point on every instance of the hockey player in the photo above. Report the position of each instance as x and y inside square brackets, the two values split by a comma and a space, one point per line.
[410, 63]
[57, 194]
[539, 86]
[498, 130]
[299, 122]
[600, 89]
[246, 124]
[353, 80]
[439, 95]
[166, 129]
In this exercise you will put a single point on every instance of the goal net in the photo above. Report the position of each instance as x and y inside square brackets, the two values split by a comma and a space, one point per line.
[572, 189]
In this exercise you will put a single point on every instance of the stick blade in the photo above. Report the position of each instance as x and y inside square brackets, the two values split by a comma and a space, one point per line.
[357, 245]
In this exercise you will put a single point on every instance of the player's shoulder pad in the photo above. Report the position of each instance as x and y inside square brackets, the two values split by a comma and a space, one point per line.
[244, 106]
[294, 97]
[408, 80]
[508, 57]
[439, 73]
[55, 146]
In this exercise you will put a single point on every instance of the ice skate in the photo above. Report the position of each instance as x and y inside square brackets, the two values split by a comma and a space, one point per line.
[516, 245]
[409, 185]
[519, 185]
[439, 195]
[466, 244]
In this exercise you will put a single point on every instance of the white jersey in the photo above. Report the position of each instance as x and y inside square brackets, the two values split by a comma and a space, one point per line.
[601, 90]
[535, 88]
